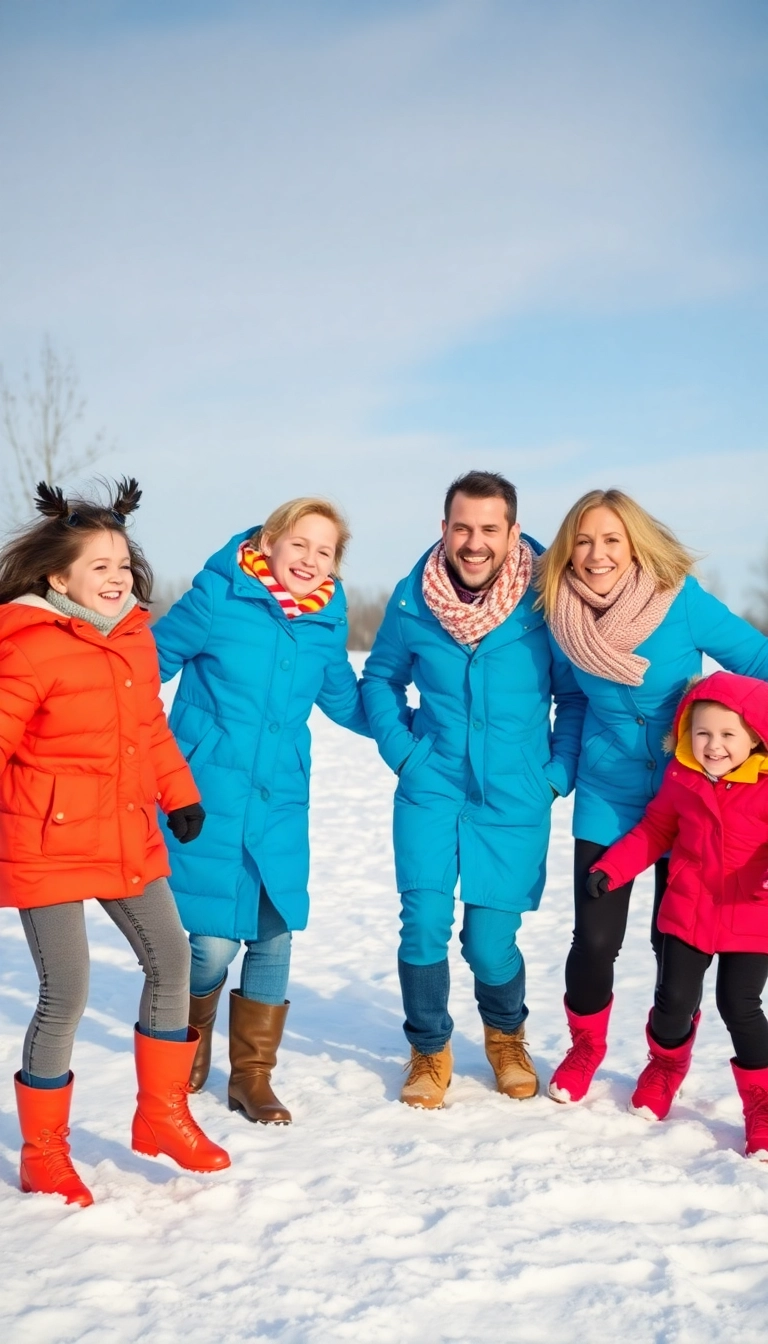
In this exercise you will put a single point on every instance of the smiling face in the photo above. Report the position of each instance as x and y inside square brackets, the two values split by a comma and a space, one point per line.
[720, 739]
[601, 551]
[478, 537]
[303, 559]
[100, 578]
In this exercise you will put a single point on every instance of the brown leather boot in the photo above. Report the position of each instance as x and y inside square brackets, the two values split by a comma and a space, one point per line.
[255, 1032]
[511, 1063]
[202, 1015]
[429, 1077]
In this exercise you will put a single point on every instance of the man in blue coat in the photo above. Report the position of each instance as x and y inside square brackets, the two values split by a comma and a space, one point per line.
[478, 766]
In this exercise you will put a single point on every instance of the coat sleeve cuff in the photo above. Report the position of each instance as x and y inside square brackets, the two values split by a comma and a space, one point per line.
[557, 775]
[396, 750]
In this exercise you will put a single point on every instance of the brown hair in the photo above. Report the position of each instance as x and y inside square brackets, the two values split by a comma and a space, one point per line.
[483, 485]
[654, 546]
[51, 544]
[284, 518]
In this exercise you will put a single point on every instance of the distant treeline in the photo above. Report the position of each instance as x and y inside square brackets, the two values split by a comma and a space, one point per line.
[365, 608]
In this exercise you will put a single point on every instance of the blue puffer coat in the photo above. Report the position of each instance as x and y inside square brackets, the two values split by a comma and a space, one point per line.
[479, 754]
[250, 678]
[622, 759]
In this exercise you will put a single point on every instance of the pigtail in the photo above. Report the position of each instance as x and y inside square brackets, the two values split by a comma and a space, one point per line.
[127, 498]
[50, 501]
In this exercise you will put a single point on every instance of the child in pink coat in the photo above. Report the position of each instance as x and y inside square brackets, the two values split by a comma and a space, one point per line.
[712, 812]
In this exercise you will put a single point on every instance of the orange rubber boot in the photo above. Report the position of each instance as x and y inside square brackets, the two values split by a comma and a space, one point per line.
[46, 1168]
[162, 1123]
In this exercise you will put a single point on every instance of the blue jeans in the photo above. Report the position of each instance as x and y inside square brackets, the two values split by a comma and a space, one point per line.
[267, 960]
[488, 945]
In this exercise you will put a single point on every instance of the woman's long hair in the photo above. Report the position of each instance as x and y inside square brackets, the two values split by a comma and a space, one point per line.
[654, 546]
[52, 543]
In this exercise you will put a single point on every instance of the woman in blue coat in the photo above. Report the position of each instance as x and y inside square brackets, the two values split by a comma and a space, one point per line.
[618, 593]
[259, 639]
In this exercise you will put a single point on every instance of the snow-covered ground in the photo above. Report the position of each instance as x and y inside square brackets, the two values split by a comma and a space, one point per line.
[367, 1221]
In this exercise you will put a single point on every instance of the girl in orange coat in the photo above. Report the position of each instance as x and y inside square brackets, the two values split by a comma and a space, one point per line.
[85, 757]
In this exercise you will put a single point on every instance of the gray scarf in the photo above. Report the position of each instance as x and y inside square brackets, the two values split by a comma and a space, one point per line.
[103, 623]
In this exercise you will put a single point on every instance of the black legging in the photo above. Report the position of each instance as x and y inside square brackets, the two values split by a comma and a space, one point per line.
[741, 978]
[599, 932]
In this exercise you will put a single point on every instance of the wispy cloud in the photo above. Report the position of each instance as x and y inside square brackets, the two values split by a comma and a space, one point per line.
[246, 228]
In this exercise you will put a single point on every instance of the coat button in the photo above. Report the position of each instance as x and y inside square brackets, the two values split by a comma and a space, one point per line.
[157, 796]
[285, 664]
[641, 721]
[477, 723]
[59, 816]
[130, 751]
[402, 601]
[274, 727]
[264, 794]
[128, 681]
[134, 880]
[130, 807]
[650, 765]
[465, 817]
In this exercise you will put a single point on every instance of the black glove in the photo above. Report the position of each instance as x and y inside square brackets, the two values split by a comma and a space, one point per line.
[186, 823]
[597, 883]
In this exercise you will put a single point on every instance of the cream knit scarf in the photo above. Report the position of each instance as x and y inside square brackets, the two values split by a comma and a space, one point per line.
[468, 623]
[599, 634]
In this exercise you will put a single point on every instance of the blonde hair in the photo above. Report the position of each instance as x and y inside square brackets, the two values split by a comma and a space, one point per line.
[286, 516]
[654, 546]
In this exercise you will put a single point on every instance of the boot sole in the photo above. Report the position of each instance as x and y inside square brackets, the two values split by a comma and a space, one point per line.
[146, 1151]
[83, 1201]
[237, 1107]
[563, 1097]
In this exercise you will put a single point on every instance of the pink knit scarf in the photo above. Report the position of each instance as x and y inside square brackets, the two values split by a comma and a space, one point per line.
[468, 623]
[599, 633]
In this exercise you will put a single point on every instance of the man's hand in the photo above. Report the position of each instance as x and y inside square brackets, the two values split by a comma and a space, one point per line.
[186, 823]
[597, 883]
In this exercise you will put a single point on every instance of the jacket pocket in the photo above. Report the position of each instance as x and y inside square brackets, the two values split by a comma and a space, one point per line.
[417, 756]
[596, 747]
[536, 773]
[71, 829]
[198, 755]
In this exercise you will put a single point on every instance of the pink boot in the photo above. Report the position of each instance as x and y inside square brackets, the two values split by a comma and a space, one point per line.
[571, 1079]
[753, 1090]
[663, 1075]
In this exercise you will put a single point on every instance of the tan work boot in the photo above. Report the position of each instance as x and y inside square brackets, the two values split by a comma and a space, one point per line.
[429, 1077]
[202, 1015]
[511, 1063]
[255, 1032]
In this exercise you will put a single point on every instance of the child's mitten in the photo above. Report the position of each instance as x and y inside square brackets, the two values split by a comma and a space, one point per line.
[597, 883]
[186, 823]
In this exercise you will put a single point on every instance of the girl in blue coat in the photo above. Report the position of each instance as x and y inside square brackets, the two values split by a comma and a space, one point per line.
[260, 638]
[618, 593]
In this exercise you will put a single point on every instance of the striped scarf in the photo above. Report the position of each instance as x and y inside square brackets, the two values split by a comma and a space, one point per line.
[254, 563]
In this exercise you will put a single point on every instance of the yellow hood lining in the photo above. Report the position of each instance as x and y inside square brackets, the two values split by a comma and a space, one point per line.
[747, 773]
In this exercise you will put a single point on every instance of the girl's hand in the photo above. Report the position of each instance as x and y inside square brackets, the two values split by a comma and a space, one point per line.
[186, 823]
[597, 883]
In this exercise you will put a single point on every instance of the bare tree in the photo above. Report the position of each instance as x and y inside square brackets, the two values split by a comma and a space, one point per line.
[757, 612]
[365, 612]
[39, 422]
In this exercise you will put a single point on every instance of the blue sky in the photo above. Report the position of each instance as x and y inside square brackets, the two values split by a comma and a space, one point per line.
[357, 248]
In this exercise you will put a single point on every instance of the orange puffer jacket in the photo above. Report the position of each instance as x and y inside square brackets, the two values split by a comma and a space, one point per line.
[85, 757]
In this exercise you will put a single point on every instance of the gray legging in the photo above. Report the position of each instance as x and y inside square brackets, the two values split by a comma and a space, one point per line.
[57, 940]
